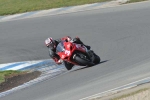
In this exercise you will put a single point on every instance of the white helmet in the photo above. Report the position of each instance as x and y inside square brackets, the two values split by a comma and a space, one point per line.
[49, 42]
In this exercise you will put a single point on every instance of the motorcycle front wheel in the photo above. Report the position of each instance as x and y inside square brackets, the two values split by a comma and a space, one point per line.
[68, 65]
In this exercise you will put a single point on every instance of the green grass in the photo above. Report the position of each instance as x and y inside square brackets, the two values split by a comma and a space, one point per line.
[131, 1]
[9, 7]
[131, 94]
[20, 6]
[3, 74]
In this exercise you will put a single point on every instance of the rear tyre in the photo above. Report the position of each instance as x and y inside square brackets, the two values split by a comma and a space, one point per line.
[83, 62]
[96, 59]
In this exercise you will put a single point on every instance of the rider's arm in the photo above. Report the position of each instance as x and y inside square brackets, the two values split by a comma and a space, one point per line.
[58, 40]
[54, 56]
[77, 40]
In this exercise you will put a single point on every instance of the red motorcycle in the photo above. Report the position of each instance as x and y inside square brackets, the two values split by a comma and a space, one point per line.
[76, 54]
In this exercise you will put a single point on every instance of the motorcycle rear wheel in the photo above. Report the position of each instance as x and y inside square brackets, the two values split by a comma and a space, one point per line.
[97, 59]
[83, 62]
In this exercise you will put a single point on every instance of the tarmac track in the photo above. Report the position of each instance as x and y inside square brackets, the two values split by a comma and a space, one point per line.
[120, 35]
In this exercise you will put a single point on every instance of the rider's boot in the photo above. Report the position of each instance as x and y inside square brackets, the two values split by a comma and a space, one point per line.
[88, 47]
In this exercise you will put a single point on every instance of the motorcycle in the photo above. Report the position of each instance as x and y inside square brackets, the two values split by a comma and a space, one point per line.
[76, 54]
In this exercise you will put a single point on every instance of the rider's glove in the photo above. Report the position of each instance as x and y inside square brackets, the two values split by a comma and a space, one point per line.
[58, 61]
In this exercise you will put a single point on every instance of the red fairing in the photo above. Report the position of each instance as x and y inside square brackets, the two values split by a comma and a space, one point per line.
[65, 38]
[69, 50]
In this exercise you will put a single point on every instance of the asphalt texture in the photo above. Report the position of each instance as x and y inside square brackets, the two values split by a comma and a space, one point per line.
[119, 35]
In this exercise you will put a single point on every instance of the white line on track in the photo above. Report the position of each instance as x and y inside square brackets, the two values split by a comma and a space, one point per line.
[115, 90]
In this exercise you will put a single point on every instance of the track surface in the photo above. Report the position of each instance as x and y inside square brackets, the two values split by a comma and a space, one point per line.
[120, 35]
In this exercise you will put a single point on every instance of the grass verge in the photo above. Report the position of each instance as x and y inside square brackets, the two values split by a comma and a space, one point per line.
[131, 1]
[131, 94]
[20, 6]
[9, 7]
[4, 74]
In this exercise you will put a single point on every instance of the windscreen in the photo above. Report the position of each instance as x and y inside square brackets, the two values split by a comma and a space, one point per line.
[60, 47]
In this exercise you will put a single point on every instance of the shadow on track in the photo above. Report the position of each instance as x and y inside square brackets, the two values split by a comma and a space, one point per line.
[90, 66]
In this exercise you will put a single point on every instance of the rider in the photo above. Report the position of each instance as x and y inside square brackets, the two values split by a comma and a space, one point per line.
[52, 44]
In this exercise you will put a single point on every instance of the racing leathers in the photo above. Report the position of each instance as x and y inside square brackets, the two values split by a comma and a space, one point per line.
[52, 51]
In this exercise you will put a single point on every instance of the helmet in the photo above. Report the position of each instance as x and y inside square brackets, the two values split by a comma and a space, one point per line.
[49, 42]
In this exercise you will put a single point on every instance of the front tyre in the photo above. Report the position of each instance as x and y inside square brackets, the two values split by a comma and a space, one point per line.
[68, 65]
